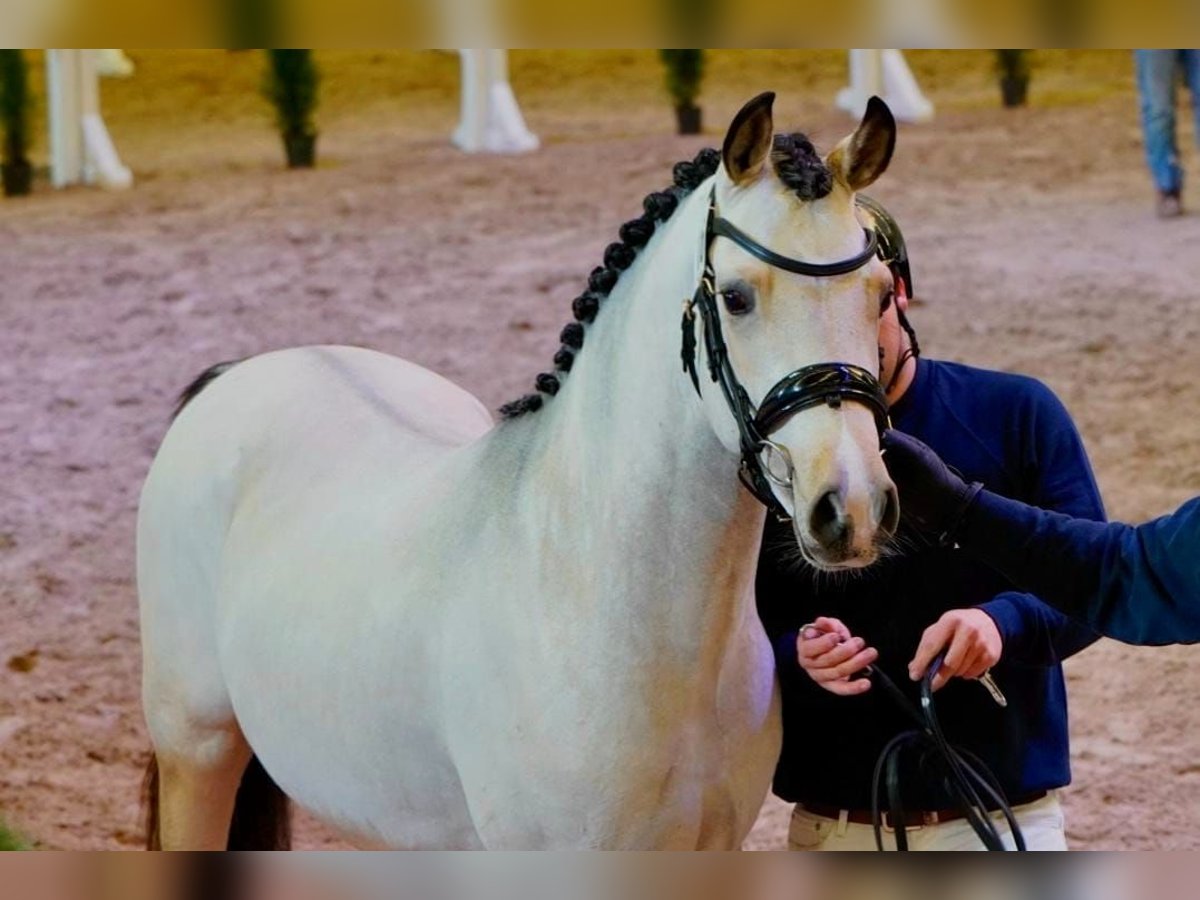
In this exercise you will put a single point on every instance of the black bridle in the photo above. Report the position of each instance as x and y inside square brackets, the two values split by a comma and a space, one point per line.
[822, 384]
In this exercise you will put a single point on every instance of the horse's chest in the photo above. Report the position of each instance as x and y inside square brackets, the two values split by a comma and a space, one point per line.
[627, 761]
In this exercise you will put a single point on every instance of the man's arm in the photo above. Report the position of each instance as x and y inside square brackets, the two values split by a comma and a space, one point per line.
[1034, 633]
[778, 595]
[824, 649]
[1138, 584]
[1057, 476]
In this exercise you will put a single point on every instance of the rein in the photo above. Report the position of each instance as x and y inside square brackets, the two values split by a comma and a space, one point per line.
[820, 384]
[968, 780]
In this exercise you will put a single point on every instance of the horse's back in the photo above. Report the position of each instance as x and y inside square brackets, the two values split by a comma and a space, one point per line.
[275, 441]
[295, 419]
[287, 426]
[308, 387]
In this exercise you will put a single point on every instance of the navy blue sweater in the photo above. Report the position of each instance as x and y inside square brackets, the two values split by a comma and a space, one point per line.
[1138, 584]
[1011, 433]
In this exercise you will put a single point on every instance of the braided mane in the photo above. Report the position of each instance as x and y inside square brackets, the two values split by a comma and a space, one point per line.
[795, 162]
[800, 167]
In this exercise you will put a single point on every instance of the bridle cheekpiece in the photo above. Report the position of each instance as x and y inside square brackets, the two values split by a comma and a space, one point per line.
[823, 384]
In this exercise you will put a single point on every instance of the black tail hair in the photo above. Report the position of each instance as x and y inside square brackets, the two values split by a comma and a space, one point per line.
[261, 814]
[262, 817]
[150, 785]
[203, 380]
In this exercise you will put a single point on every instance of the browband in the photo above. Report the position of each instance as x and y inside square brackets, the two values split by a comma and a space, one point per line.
[725, 228]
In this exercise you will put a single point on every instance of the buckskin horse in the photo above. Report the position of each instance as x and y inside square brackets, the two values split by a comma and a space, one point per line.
[432, 629]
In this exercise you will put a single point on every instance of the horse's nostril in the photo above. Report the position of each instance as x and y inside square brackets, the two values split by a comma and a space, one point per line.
[889, 521]
[828, 520]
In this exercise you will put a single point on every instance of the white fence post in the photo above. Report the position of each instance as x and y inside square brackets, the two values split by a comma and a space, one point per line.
[886, 74]
[491, 120]
[113, 64]
[81, 151]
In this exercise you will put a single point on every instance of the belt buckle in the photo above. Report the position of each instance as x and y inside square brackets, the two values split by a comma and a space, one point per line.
[928, 820]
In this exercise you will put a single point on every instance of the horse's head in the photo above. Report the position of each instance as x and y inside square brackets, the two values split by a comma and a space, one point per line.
[778, 319]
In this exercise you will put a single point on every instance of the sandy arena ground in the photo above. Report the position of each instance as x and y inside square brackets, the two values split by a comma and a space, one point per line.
[1034, 245]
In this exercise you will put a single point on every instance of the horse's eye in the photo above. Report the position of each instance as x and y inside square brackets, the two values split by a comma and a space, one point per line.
[737, 301]
[885, 303]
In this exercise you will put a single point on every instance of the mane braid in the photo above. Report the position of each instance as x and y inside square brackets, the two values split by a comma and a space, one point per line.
[618, 256]
[799, 166]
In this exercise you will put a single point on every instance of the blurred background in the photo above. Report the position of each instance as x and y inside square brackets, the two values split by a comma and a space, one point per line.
[1031, 228]
[500, 876]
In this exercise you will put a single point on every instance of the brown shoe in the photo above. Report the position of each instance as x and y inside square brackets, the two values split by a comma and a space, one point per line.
[1169, 205]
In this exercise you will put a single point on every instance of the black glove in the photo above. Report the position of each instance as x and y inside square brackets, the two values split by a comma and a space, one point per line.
[933, 497]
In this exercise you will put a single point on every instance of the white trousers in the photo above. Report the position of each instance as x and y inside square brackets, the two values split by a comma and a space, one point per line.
[1041, 823]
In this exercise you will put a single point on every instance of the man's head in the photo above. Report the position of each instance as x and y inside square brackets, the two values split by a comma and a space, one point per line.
[897, 340]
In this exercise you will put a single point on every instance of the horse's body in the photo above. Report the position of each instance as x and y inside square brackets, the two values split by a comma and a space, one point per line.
[510, 704]
[436, 632]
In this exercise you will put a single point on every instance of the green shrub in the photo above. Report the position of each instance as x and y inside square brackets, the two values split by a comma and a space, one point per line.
[685, 71]
[292, 87]
[10, 840]
[1013, 68]
[14, 105]
[1013, 64]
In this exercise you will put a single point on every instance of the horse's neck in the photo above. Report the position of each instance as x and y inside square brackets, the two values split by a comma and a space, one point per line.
[626, 457]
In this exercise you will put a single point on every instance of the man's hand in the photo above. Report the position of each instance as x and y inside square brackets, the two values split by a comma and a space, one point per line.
[974, 641]
[933, 497]
[830, 655]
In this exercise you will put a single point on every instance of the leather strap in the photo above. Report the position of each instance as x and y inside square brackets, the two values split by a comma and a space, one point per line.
[823, 383]
[725, 228]
[912, 818]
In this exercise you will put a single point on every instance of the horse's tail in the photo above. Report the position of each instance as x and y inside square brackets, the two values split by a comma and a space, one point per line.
[150, 786]
[203, 380]
[262, 817]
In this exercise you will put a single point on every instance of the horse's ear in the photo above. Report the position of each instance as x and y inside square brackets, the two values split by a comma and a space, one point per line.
[864, 155]
[749, 139]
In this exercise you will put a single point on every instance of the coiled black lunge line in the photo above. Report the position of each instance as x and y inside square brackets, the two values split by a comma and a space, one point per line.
[964, 775]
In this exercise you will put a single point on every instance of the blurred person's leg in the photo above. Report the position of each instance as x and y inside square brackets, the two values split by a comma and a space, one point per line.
[1191, 74]
[1156, 74]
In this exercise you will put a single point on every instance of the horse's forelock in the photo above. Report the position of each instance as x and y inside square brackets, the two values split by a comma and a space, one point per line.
[798, 165]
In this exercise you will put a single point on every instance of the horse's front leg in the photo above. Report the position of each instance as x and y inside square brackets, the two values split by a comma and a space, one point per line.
[195, 792]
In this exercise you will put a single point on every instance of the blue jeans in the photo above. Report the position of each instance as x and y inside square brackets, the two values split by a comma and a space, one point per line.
[1157, 75]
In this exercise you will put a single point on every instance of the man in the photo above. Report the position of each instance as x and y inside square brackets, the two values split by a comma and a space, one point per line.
[1137, 584]
[1011, 433]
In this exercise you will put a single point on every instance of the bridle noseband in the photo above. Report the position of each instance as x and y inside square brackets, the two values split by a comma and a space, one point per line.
[822, 384]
